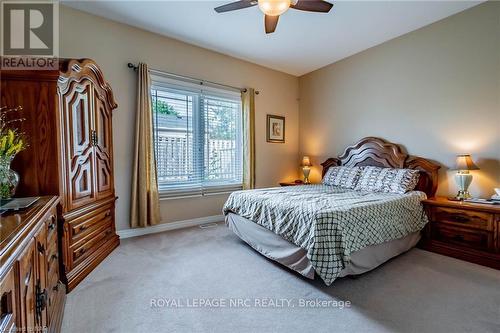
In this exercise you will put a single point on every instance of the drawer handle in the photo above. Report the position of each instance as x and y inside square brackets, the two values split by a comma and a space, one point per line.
[460, 218]
[52, 226]
[41, 248]
[108, 213]
[82, 251]
[83, 227]
[27, 278]
[41, 300]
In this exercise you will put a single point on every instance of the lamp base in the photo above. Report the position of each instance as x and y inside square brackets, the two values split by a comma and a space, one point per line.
[463, 181]
[463, 195]
[306, 171]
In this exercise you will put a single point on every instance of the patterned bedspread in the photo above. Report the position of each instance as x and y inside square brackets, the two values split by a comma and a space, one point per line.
[330, 222]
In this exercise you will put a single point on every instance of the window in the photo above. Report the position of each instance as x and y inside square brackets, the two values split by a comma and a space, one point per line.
[197, 138]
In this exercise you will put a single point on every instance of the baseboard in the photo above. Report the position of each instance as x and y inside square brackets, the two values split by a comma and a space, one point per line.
[127, 233]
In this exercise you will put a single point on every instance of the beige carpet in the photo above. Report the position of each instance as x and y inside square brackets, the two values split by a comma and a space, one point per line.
[415, 292]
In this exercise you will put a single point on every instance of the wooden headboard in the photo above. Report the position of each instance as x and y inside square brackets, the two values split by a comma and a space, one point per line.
[373, 151]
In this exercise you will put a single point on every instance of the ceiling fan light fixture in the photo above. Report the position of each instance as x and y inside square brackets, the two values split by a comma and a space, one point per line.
[274, 7]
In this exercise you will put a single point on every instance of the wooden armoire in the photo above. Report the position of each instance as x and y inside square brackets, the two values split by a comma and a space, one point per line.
[68, 122]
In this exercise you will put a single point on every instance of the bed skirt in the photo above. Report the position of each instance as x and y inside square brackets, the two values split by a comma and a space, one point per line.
[290, 255]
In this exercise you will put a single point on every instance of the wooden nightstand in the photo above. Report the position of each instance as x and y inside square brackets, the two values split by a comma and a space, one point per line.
[462, 230]
[293, 184]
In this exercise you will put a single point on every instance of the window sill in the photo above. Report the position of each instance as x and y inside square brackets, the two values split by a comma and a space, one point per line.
[197, 193]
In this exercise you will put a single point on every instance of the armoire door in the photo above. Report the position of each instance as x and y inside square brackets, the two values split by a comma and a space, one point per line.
[78, 111]
[103, 147]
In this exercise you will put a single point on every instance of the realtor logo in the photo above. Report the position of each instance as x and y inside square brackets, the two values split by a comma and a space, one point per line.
[29, 34]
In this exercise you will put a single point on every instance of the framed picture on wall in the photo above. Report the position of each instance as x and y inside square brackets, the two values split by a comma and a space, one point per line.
[275, 129]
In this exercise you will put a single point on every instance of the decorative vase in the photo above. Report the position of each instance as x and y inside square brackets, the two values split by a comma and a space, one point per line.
[8, 178]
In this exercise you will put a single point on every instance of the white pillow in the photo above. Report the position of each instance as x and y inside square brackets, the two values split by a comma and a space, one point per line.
[342, 176]
[388, 180]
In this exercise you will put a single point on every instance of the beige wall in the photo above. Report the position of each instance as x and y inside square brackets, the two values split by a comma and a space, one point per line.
[113, 45]
[435, 90]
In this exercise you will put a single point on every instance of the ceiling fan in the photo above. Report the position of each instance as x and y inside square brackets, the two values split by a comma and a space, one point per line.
[272, 9]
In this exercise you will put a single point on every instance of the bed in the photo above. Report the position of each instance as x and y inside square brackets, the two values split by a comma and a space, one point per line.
[331, 231]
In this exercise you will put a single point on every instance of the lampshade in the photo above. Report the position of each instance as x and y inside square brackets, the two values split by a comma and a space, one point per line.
[306, 162]
[464, 162]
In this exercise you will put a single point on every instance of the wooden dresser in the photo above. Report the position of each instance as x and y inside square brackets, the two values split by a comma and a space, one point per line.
[462, 230]
[32, 296]
[68, 123]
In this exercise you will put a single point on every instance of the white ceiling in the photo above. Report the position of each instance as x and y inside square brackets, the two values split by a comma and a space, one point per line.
[302, 42]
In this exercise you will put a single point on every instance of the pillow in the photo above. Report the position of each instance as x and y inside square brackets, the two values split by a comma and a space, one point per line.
[342, 176]
[388, 180]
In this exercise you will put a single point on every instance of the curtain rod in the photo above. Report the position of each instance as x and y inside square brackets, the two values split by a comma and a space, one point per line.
[202, 82]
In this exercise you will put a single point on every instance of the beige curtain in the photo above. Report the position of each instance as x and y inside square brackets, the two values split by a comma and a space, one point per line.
[145, 210]
[248, 104]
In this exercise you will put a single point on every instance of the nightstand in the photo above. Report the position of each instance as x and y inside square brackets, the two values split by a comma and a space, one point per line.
[293, 184]
[463, 230]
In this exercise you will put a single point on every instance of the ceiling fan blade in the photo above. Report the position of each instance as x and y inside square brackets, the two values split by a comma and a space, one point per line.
[313, 6]
[235, 6]
[270, 22]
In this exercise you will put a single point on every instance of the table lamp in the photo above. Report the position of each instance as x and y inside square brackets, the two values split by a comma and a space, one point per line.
[306, 168]
[463, 178]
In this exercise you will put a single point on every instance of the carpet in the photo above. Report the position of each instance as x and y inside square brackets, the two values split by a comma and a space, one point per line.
[208, 280]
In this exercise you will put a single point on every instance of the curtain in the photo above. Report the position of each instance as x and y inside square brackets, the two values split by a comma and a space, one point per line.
[248, 105]
[145, 210]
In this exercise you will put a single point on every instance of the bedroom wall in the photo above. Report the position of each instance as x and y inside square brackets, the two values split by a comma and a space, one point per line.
[113, 45]
[435, 90]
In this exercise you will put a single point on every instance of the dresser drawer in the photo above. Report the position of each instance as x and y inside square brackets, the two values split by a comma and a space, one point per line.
[87, 224]
[52, 262]
[51, 299]
[52, 240]
[90, 244]
[464, 218]
[53, 277]
[51, 223]
[51, 247]
[52, 290]
[475, 239]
